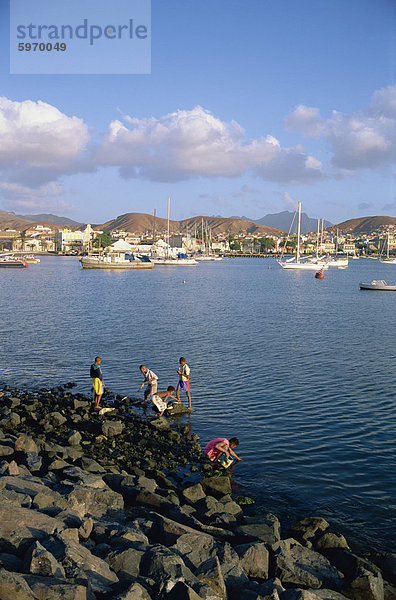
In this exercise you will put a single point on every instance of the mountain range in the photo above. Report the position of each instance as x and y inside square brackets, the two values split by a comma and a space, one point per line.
[271, 224]
[144, 223]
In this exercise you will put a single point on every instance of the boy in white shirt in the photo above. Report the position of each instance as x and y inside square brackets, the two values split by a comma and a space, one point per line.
[184, 380]
[152, 382]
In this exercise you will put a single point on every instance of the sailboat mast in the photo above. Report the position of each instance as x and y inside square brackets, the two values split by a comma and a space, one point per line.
[317, 242]
[155, 212]
[321, 239]
[298, 232]
[167, 249]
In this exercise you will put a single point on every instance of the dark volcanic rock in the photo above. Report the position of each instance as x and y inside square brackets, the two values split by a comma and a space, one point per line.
[298, 565]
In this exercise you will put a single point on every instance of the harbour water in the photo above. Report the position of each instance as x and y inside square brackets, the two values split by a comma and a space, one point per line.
[301, 370]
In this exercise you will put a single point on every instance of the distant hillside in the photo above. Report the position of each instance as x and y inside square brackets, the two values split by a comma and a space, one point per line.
[227, 226]
[142, 223]
[364, 224]
[283, 220]
[9, 220]
[49, 218]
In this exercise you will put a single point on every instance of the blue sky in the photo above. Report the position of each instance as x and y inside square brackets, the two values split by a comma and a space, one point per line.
[250, 107]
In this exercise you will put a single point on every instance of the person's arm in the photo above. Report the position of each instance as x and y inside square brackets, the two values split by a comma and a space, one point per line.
[234, 454]
[223, 447]
[173, 398]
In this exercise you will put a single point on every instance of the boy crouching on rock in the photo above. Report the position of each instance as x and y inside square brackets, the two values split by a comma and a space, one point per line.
[160, 399]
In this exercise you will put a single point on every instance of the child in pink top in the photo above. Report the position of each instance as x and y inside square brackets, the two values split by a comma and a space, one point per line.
[219, 446]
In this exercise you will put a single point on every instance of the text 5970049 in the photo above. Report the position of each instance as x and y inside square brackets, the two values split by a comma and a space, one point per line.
[41, 47]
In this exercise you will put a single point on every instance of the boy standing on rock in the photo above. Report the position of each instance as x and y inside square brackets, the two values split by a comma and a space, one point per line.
[184, 380]
[160, 399]
[152, 381]
[97, 382]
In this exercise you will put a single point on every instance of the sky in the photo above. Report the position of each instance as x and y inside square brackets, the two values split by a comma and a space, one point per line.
[250, 107]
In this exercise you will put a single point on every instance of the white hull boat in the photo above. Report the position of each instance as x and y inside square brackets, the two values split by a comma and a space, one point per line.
[302, 265]
[338, 262]
[113, 262]
[172, 262]
[380, 285]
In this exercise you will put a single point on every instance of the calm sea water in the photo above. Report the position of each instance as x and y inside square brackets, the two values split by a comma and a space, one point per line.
[301, 370]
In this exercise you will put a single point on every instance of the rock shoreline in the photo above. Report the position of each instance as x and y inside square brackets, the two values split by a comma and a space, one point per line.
[100, 507]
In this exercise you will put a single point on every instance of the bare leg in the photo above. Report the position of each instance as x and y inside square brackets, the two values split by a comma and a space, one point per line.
[178, 395]
[189, 400]
[97, 402]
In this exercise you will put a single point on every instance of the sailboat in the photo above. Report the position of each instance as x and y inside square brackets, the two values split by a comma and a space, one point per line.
[180, 260]
[388, 260]
[295, 262]
[340, 262]
[206, 250]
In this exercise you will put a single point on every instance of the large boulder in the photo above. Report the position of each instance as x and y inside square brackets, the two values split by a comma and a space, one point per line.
[182, 591]
[193, 493]
[165, 567]
[196, 548]
[14, 587]
[39, 561]
[306, 530]
[127, 563]
[94, 501]
[24, 443]
[210, 573]
[78, 561]
[19, 527]
[112, 428]
[51, 588]
[267, 530]
[56, 419]
[366, 586]
[216, 486]
[254, 560]
[297, 565]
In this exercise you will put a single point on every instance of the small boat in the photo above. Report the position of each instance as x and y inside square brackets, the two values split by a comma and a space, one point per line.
[11, 262]
[32, 260]
[319, 274]
[111, 261]
[380, 286]
[389, 260]
[179, 260]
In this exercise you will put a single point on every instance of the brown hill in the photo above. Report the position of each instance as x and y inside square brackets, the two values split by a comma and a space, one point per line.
[9, 220]
[144, 223]
[364, 224]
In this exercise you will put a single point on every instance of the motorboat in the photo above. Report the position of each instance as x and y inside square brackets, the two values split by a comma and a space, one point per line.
[379, 285]
[114, 261]
[179, 260]
[11, 262]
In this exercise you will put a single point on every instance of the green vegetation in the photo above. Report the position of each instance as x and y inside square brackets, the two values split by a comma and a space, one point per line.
[244, 500]
[103, 240]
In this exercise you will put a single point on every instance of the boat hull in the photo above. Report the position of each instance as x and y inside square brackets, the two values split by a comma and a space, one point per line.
[303, 266]
[91, 264]
[11, 264]
[379, 286]
[176, 262]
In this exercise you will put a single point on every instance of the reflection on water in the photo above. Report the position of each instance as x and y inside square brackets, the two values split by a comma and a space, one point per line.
[301, 370]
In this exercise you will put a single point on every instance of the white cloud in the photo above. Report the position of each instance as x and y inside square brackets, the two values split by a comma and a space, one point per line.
[188, 144]
[39, 135]
[306, 120]
[38, 144]
[365, 139]
[23, 197]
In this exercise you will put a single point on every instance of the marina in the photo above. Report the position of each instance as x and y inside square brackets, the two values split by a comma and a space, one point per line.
[311, 401]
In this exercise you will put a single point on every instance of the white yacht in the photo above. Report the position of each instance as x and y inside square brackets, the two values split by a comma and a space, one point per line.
[296, 262]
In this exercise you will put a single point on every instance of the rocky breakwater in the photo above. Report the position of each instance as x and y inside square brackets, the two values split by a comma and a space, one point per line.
[100, 508]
